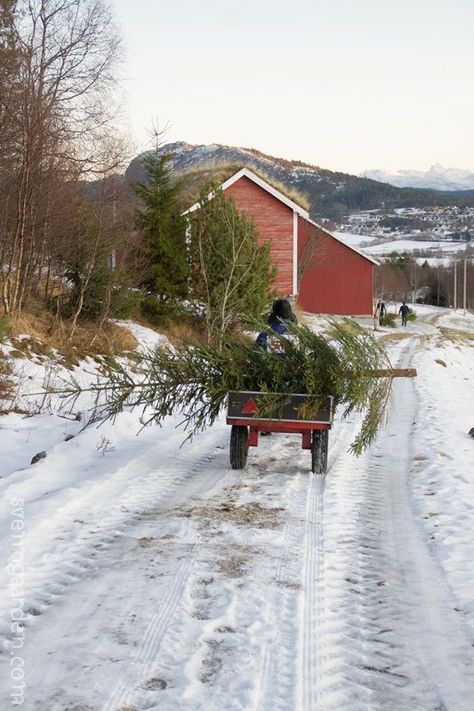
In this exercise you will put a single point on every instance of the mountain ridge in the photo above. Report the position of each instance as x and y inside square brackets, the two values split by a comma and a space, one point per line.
[330, 194]
[436, 178]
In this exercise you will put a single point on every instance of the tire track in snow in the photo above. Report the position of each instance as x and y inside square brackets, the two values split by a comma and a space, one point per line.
[367, 664]
[277, 674]
[364, 609]
[312, 603]
[80, 556]
[319, 659]
[142, 660]
[255, 625]
[165, 622]
[236, 626]
[362, 591]
[432, 626]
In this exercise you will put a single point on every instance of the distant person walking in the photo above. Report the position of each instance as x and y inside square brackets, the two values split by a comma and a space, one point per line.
[404, 309]
[380, 312]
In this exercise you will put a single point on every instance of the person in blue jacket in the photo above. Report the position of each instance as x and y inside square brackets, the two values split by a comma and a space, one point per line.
[404, 309]
[281, 315]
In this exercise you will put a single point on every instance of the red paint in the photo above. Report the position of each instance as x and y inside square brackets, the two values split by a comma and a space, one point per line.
[274, 221]
[278, 425]
[305, 429]
[250, 407]
[253, 437]
[337, 279]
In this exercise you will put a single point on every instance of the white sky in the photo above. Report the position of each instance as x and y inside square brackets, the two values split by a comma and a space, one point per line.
[344, 84]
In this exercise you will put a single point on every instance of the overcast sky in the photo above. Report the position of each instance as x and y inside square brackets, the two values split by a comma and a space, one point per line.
[344, 84]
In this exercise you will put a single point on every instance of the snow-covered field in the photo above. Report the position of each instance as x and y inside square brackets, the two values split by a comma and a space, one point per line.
[138, 574]
[409, 245]
[354, 240]
[442, 251]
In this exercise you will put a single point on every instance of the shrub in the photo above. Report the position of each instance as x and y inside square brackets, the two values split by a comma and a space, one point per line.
[411, 315]
[165, 314]
[389, 320]
[107, 293]
[6, 384]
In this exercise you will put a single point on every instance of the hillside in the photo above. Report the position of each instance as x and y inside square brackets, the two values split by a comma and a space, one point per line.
[330, 194]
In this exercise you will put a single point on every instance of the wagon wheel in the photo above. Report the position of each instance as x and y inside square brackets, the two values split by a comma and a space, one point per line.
[319, 451]
[239, 446]
[325, 438]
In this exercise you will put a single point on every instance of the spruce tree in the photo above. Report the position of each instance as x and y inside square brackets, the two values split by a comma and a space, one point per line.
[162, 229]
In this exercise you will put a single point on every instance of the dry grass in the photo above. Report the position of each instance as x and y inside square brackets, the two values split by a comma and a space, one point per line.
[393, 337]
[41, 335]
[288, 584]
[145, 541]
[179, 332]
[219, 172]
[456, 336]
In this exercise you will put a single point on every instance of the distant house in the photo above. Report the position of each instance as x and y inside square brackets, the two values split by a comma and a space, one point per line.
[322, 273]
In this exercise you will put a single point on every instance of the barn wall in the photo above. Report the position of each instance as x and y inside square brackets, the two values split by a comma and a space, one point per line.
[337, 280]
[274, 222]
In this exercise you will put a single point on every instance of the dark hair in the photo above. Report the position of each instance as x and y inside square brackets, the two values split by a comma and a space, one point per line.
[282, 309]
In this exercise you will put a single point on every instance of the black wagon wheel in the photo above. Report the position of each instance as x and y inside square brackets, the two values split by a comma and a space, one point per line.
[325, 446]
[239, 446]
[319, 451]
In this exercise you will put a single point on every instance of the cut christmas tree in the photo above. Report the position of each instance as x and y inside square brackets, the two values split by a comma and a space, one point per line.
[194, 378]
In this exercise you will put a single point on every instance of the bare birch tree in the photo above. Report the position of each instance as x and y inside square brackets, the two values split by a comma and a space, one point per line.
[67, 52]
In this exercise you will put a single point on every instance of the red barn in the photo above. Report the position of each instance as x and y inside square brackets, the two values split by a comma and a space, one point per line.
[324, 274]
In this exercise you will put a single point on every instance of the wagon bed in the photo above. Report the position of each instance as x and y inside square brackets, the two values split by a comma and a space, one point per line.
[247, 424]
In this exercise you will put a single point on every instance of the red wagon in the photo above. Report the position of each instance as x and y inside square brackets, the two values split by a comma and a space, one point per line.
[242, 414]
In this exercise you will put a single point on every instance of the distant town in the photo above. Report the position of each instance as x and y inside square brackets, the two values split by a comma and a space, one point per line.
[453, 223]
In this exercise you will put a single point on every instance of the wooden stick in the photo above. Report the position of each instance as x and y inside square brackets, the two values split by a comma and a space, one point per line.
[393, 373]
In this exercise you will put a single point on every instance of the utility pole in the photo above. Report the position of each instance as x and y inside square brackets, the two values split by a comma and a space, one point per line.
[413, 283]
[455, 297]
[465, 286]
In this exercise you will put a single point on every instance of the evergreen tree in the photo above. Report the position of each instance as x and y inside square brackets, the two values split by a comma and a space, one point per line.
[162, 229]
[233, 272]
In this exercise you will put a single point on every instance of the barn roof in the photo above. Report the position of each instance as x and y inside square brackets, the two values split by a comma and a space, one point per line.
[245, 172]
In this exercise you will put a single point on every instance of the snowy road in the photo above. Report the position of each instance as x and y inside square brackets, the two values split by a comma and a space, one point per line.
[157, 578]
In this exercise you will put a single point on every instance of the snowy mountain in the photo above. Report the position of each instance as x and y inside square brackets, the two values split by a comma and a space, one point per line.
[436, 178]
[329, 194]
